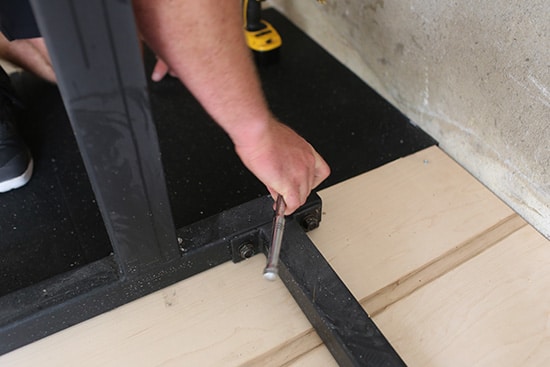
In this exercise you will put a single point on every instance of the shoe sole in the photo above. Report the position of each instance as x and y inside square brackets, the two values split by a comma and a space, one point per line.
[19, 181]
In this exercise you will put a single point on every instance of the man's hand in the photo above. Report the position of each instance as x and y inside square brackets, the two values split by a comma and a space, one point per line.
[285, 163]
[30, 54]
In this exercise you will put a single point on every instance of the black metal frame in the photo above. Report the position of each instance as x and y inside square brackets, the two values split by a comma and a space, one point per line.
[95, 50]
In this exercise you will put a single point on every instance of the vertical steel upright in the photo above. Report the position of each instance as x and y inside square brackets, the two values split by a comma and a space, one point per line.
[96, 55]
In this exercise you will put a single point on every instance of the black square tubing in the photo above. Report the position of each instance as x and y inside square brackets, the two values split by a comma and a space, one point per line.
[96, 55]
[343, 325]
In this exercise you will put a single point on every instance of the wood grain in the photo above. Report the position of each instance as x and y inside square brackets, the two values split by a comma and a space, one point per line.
[381, 226]
[319, 356]
[222, 317]
[432, 270]
[493, 310]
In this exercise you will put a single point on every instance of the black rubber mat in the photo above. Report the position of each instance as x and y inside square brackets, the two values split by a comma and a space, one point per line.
[53, 224]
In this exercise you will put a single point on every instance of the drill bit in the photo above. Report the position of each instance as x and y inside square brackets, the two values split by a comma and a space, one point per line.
[271, 270]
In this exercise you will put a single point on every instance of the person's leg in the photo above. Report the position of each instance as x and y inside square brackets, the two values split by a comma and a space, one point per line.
[16, 163]
[21, 45]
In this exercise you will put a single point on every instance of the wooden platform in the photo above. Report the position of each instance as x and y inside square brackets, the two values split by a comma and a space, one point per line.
[449, 273]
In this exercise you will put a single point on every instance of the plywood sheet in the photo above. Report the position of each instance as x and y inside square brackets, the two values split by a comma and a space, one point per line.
[493, 310]
[223, 317]
[379, 227]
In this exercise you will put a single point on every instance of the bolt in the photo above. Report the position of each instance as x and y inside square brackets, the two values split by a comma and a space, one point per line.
[246, 250]
[310, 222]
[180, 245]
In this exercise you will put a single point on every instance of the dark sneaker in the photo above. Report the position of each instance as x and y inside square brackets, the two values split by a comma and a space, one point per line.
[15, 159]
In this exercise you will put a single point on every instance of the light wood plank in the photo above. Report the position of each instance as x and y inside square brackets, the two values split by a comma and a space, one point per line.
[9, 67]
[492, 311]
[222, 317]
[384, 225]
[378, 229]
[432, 270]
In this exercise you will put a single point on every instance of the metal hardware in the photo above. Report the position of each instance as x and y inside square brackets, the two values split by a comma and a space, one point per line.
[271, 269]
[246, 250]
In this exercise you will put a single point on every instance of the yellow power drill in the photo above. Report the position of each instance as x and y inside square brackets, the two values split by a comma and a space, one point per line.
[260, 35]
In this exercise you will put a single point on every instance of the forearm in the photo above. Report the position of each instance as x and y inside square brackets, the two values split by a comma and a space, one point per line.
[203, 43]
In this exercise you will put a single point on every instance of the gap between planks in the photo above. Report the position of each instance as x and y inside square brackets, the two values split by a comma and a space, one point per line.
[401, 288]
[288, 352]
[294, 349]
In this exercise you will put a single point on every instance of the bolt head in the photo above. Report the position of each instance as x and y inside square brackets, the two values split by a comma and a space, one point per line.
[310, 222]
[246, 250]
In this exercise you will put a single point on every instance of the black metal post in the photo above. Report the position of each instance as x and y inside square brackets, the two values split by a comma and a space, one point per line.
[96, 56]
[341, 322]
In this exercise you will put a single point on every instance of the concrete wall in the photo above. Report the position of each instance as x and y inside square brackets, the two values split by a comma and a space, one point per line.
[473, 74]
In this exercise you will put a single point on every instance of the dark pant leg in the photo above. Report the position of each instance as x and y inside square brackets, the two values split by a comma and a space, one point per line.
[17, 20]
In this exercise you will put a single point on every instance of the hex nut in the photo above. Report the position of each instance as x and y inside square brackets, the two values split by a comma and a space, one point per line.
[310, 222]
[246, 250]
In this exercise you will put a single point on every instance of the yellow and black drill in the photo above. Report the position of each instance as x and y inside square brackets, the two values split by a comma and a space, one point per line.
[260, 35]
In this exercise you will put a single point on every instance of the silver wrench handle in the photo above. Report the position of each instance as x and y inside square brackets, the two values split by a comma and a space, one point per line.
[271, 270]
